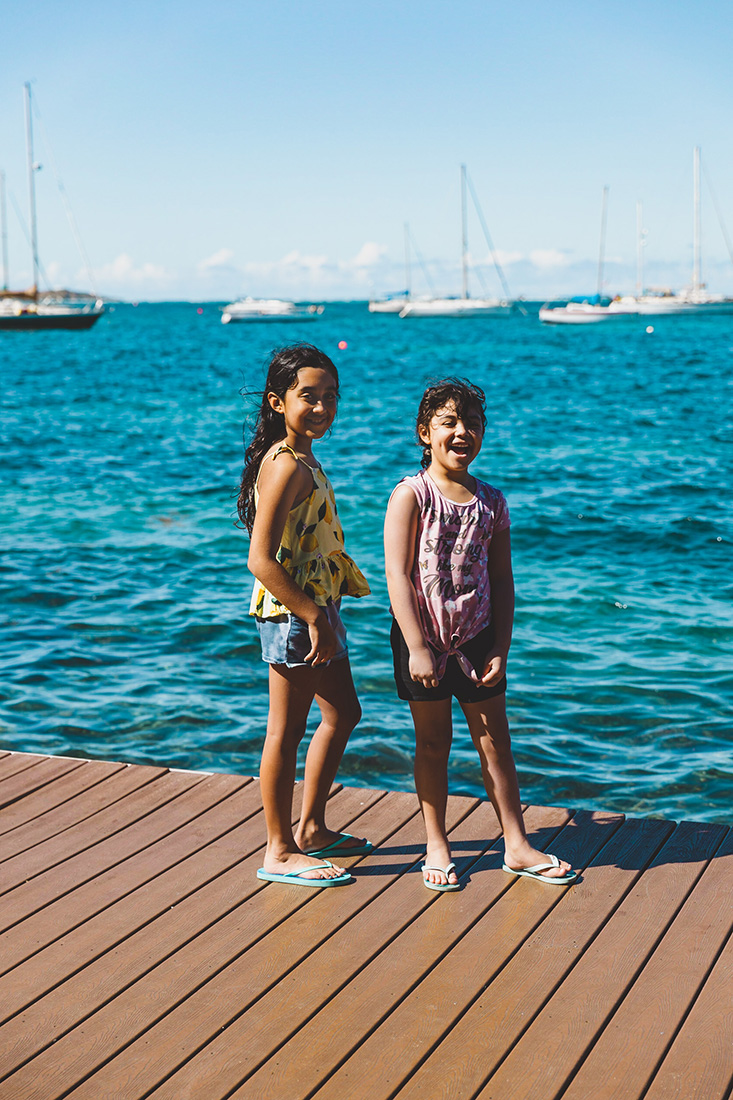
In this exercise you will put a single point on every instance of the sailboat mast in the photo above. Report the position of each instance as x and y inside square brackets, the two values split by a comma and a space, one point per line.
[602, 246]
[4, 224]
[31, 185]
[464, 233]
[696, 228]
[408, 265]
[639, 251]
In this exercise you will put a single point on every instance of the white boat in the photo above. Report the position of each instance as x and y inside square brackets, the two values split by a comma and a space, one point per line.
[588, 311]
[694, 298]
[57, 309]
[392, 303]
[465, 306]
[34, 309]
[269, 309]
[593, 309]
[395, 303]
[457, 307]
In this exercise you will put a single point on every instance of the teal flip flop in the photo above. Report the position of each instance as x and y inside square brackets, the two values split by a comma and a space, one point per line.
[298, 878]
[536, 872]
[441, 887]
[338, 848]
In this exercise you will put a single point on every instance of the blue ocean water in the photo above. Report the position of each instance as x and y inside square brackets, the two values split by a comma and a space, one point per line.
[124, 631]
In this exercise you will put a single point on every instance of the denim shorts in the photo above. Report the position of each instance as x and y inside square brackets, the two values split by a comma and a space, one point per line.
[286, 641]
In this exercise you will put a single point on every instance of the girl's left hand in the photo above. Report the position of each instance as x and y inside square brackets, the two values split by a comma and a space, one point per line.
[494, 669]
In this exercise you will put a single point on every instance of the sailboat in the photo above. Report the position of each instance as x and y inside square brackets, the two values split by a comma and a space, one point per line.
[395, 303]
[591, 309]
[464, 306]
[34, 309]
[695, 298]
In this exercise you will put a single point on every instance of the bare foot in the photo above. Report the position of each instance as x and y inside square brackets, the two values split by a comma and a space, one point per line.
[301, 864]
[521, 856]
[435, 869]
[317, 840]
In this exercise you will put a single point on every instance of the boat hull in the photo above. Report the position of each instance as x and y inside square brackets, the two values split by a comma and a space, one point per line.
[24, 322]
[458, 307]
[387, 306]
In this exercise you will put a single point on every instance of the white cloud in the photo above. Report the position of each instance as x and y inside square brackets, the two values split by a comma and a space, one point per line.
[123, 269]
[291, 265]
[222, 258]
[369, 255]
[548, 258]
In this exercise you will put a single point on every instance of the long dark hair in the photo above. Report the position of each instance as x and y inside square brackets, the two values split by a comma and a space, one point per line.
[282, 375]
[464, 395]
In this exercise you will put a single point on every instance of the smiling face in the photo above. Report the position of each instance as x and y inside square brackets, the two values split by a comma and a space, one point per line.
[454, 439]
[309, 407]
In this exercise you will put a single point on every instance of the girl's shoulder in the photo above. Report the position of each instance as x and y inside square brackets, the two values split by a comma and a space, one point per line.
[282, 464]
[495, 500]
[409, 489]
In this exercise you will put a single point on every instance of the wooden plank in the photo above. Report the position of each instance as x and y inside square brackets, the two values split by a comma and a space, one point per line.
[118, 786]
[78, 889]
[17, 787]
[210, 810]
[699, 1061]
[56, 821]
[474, 1047]
[389, 969]
[622, 1061]
[389, 1057]
[330, 1036]
[14, 763]
[103, 956]
[118, 1023]
[546, 1057]
[114, 948]
[76, 846]
[51, 796]
[272, 959]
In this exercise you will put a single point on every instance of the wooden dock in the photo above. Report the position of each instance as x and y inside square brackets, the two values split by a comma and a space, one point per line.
[141, 957]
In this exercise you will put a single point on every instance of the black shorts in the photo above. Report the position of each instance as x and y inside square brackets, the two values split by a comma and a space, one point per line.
[454, 681]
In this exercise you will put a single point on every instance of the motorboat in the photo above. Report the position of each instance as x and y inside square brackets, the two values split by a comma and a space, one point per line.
[269, 309]
[33, 308]
[588, 311]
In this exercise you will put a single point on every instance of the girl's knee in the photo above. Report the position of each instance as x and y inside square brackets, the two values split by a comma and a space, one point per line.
[432, 747]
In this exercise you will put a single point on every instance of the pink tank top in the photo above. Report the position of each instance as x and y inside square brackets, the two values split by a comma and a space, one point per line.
[450, 574]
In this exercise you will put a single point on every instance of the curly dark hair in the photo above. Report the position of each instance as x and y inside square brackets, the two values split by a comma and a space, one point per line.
[282, 375]
[464, 396]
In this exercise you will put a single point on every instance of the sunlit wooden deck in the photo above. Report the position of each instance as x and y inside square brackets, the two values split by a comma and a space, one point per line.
[141, 957]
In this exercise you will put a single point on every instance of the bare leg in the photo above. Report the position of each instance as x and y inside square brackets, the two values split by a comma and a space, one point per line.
[340, 713]
[291, 695]
[489, 728]
[433, 735]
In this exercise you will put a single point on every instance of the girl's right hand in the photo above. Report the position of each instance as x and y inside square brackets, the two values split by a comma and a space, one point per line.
[324, 642]
[422, 668]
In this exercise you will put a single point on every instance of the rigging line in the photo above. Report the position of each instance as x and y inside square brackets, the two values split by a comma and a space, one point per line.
[420, 260]
[27, 235]
[718, 212]
[489, 241]
[65, 198]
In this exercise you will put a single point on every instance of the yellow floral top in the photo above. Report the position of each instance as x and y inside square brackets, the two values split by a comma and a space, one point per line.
[312, 551]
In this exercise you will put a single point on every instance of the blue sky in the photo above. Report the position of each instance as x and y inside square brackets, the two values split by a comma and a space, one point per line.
[278, 147]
